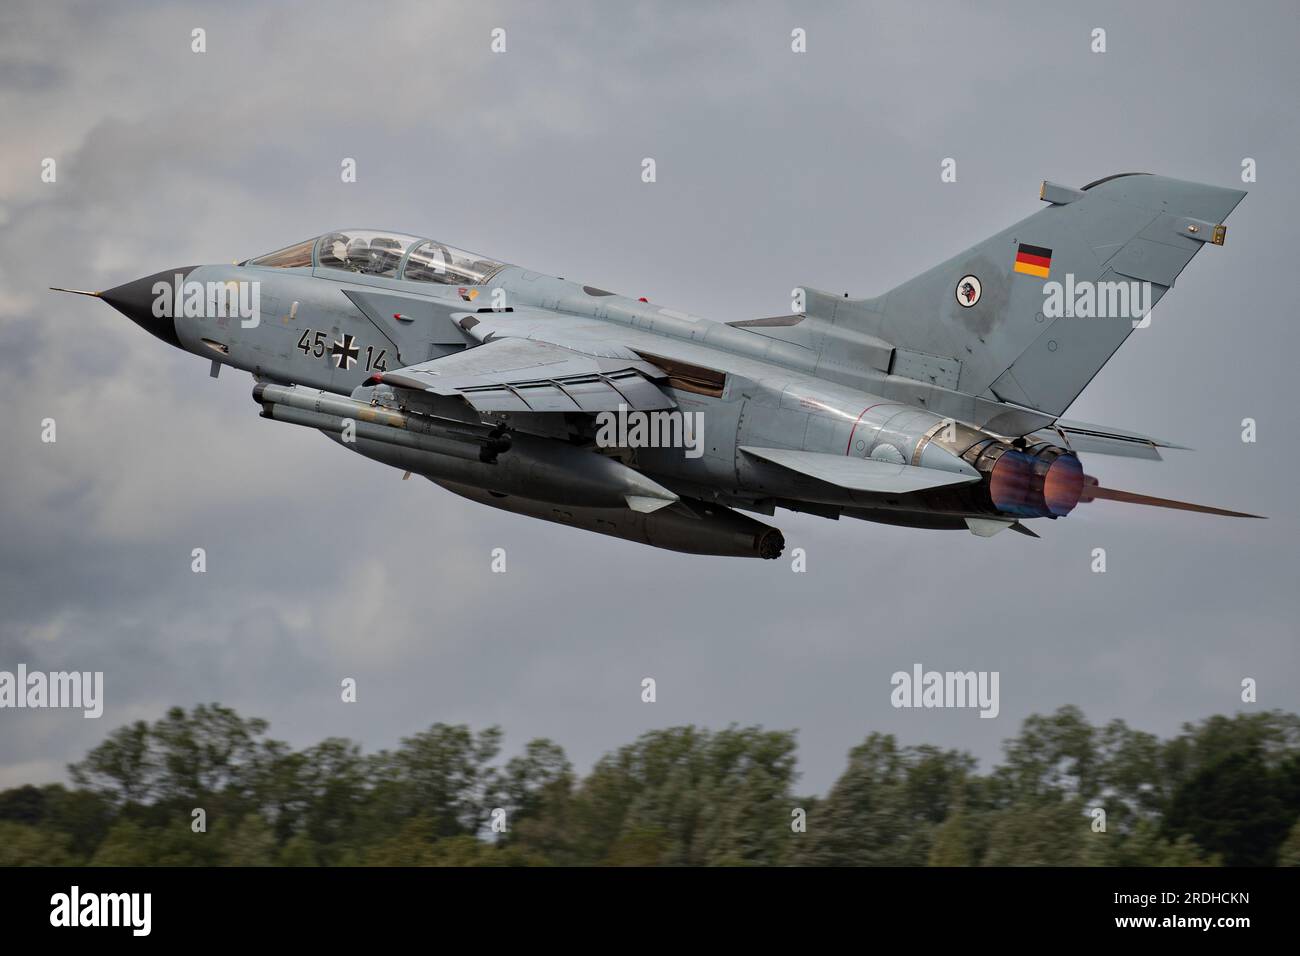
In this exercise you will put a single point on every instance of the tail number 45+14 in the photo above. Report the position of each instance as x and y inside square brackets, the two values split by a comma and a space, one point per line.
[344, 353]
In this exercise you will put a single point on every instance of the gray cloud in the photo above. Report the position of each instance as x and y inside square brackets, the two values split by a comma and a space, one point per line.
[775, 170]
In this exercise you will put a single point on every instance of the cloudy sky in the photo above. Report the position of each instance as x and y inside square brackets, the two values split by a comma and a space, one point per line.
[774, 170]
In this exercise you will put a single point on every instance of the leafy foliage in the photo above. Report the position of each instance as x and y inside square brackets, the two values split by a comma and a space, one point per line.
[1226, 790]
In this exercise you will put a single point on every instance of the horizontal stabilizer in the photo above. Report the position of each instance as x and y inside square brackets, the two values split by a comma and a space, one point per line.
[859, 474]
[1103, 440]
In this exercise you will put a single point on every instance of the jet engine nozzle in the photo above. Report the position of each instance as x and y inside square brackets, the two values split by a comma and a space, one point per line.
[1043, 481]
[1061, 479]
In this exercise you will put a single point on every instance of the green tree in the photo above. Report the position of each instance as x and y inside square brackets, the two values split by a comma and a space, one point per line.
[250, 842]
[121, 768]
[443, 774]
[953, 845]
[1040, 833]
[685, 796]
[1225, 790]
[84, 816]
[299, 851]
[330, 796]
[1289, 854]
[1234, 807]
[1053, 758]
[127, 844]
[210, 750]
[1145, 846]
[887, 806]
[24, 845]
[538, 795]
[24, 804]
[182, 759]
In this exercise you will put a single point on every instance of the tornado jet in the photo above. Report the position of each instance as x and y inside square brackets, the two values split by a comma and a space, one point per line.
[937, 405]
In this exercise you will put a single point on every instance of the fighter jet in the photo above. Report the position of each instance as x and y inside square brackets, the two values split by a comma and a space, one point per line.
[936, 405]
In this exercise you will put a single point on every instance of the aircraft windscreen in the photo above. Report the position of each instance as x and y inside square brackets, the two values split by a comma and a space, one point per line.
[291, 257]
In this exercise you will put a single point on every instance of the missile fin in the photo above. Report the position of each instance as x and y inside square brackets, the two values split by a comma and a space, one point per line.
[646, 505]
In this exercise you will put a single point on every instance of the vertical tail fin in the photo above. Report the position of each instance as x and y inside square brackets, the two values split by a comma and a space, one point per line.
[1031, 314]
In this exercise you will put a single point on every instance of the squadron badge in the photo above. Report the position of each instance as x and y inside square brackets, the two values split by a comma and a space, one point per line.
[968, 291]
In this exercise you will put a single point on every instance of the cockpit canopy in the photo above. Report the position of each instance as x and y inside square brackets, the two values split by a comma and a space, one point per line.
[388, 255]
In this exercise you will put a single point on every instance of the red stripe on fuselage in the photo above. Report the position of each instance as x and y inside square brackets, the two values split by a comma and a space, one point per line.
[859, 418]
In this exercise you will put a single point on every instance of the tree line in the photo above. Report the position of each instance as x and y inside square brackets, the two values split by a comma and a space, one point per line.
[1224, 791]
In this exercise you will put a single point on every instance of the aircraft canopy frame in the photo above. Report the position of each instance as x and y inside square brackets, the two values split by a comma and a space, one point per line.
[383, 254]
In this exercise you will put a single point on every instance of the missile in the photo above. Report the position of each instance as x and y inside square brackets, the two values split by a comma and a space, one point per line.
[315, 409]
[381, 433]
[542, 469]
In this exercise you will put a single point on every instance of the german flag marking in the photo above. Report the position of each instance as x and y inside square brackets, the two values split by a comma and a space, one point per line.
[1033, 260]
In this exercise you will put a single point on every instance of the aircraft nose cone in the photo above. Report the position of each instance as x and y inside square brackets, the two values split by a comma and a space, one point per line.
[136, 301]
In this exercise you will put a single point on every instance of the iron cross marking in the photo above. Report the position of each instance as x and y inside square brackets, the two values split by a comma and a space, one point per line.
[344, 353]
